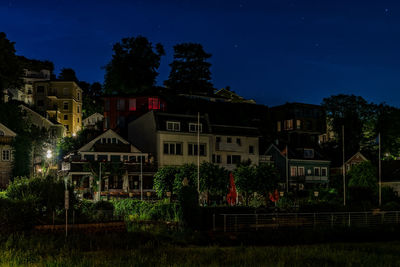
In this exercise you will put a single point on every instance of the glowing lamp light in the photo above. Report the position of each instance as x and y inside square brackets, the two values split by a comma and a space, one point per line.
[74, 134]
[49, 154]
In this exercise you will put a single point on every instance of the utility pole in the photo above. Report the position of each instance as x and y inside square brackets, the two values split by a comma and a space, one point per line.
[141, 177]
[198, 153]
[99, 182]
[287, 169]
[344, 169]
[380, 170]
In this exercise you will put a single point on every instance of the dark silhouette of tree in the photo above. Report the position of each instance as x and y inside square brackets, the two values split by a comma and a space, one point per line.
[67, 74]
[358, 117]
[10, 67]
[133, 68]
[190, 71]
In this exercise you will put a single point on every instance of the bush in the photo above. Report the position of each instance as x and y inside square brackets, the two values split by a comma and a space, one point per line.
[142, 210]
[16, 215]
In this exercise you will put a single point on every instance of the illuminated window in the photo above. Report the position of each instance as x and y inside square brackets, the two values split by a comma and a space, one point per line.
[154, 103]
[293, 171]
[288, 124]
[278, 126]
[132, 104]
[298, 124]
[300, 171]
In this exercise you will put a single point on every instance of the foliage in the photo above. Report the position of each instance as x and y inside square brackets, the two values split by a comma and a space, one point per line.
[389, 195]
[45, 194]
[188, 171]
[213, 179]
[245, 180]
[190, 71]
[267, 178]
[10, 66]
[91, 99]
[362, 183]
[188, 199]
[388, 126]
[358, 117]
[133, 68]
[67, 74]
[16, 215]
[69, 144]
[133, 209]
[164, 180]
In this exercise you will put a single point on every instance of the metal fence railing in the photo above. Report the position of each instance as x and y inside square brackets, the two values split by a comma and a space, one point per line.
[257, 222]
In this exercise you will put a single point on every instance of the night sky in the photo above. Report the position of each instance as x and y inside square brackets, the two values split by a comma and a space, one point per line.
[272, 51]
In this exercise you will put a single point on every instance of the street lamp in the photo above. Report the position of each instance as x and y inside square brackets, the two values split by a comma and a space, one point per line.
[49, 154]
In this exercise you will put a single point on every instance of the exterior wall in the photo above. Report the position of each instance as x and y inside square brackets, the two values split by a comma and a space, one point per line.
[92, 120]
[185, 139]
[55, 96]
[309, 170]
[225, 149]
[5, 165]
[394, 184]
[142, 133]
[119, 116]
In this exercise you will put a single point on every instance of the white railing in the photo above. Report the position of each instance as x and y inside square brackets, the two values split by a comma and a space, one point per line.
[257, 222]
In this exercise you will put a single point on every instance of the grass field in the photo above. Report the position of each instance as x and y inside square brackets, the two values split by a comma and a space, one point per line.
[53, 251]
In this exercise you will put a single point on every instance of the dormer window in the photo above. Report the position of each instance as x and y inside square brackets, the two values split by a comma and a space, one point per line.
[308, 153]
[174, 126]
[193, 127]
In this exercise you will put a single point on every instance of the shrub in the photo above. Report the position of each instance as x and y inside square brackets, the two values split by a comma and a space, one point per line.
[16, 215]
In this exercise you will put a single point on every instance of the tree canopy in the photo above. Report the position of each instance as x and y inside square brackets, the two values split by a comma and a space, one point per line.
[190, 71]
[10, 67]
[67, 74]
[358, 118]
[133, 67]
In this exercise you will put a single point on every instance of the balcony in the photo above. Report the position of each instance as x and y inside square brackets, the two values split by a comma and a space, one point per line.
[6, 140]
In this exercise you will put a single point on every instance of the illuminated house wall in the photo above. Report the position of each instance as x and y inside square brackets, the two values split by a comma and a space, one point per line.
[62, 101]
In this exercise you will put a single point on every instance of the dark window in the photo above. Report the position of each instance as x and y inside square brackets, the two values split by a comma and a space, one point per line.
[132, 158]
[236, 159]
[114, 140]
[121, 104]
[121, 122]
[65, 117]
[40, 103]
[238, 141]
[40, 89]
[65, 105]
[192, 149]
[147, 182]
[218, 139]
[213, 158]
[107, 105]
[229, 159]
[115, 182]
[115, 158]
[251, 149]
[229, 140]
[67, 127]
[172, 149]
[108, 140]
[218, 158]
[102, 157]
[89, 157]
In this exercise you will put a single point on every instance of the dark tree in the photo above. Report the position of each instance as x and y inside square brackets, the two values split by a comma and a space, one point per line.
[358, 117]
[388, 125]
[133, 68]
[190, 71]
[92, 101]
[10, 67]
[67, 74]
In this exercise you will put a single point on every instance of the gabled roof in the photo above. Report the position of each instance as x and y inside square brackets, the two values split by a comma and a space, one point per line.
[295, 154]
[355, 156]
[93, 115]
[7, 131]
[124, 145]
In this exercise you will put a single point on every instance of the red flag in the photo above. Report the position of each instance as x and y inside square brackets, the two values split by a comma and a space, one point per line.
[232, 195]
